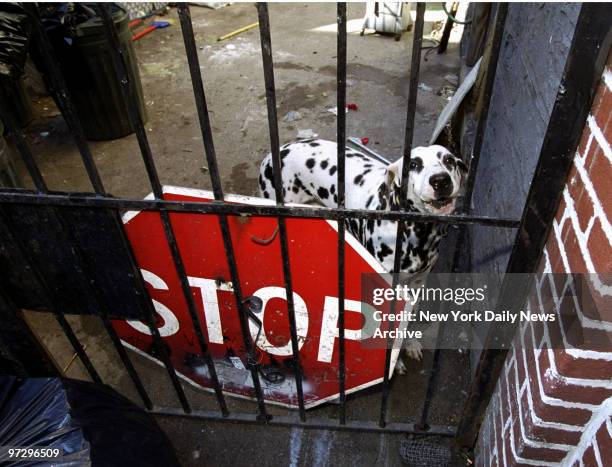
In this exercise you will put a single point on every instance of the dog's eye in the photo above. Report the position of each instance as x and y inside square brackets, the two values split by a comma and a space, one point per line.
[413, 165]
[449, 160]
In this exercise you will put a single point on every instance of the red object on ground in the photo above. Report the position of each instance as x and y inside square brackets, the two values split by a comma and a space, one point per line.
[365, 140]
[152, 27]
[352, 106]
[313, 258]
[135, 22]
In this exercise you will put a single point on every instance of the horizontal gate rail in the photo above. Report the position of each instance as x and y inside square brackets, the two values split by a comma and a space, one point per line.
[14, 196]
[313, 423]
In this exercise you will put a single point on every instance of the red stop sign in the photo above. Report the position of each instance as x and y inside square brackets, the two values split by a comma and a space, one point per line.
[314, 267]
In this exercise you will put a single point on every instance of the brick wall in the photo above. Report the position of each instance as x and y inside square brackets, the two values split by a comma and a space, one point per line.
[553, 403]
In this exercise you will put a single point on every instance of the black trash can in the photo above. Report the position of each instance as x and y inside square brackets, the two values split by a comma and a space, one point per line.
[86, 59]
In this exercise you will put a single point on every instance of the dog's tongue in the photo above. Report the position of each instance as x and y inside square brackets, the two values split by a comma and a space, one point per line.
[446, 209]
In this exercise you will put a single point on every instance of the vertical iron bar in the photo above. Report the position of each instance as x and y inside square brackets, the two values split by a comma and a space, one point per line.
[485, 100]
[211, 159]
[135, 118]
[60, 89]
[415, 64]
[268, 67]
[341, 143]
[22, 146]
[585, 63]
[200, 98]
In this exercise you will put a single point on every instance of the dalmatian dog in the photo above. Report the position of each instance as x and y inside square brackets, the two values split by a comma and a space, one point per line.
[309, 176]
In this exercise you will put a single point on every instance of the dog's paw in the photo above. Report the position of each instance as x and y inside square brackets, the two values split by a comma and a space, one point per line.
[400, 366]
[414, 349]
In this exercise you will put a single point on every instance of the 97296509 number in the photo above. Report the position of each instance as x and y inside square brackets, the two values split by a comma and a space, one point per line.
[16, 453]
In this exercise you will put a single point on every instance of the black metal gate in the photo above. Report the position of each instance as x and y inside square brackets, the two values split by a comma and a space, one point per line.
[88, 225]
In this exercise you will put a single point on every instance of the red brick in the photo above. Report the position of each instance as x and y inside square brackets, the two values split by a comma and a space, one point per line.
[584, 210]
[554, 254]
[577, 336]
[604, 443]
[560, 209]
[584, 140]
[600, 173]
[600, 249]
[553, 386]
[588, 368]
[572, 249]
[526, 451]
[574, 185]
[503, 392]
[551, 413]
[588, 458]
[602, 108]
[595, 152]
[592, 298]
[510, 458]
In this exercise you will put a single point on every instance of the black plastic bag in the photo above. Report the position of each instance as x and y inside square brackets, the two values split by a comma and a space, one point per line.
[15, 30]
[91, 423]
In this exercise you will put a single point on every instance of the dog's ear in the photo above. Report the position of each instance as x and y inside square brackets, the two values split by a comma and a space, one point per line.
[394, 173]
[463, 168]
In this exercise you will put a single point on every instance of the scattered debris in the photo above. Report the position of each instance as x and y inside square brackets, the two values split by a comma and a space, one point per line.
[292, 116]
[204, 169]
[324, 94]
[351, 106]
[452, 79]
[334, 110]
[238, 31]
[365, 140]
[43, 134]
[308, 133]
[447, 92]
[71, 361]
[212, 5]
[230, 52]
[150, 28]
[425, 87]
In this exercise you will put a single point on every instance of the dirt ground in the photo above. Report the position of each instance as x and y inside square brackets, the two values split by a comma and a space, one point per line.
[304, 48]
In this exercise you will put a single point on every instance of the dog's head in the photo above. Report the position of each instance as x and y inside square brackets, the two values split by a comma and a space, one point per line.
[435, 179]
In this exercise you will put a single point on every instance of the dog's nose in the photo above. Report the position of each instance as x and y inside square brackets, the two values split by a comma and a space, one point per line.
[442, 184]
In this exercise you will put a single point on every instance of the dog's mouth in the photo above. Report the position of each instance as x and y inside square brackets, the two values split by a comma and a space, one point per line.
[440, 203]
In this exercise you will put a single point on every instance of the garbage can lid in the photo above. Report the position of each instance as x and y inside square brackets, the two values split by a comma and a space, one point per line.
[95, 26]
